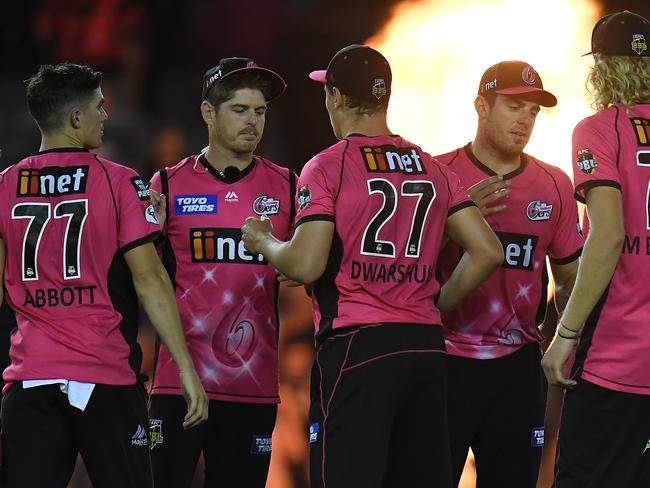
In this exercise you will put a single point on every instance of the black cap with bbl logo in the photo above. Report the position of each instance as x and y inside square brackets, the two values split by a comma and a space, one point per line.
[516, 78]
[360, 72]
[230, 66]
[621, 34]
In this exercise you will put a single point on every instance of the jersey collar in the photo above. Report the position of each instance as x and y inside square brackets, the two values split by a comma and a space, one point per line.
[486, 169]
[220, 174]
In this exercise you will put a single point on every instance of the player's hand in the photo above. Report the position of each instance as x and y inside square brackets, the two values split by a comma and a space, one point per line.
[195, 397]
[555, 359]
[255, 231]
[488, 191]
[160, 206]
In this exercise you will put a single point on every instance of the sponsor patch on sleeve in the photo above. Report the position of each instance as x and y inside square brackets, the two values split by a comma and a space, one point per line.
[586, 161]
[195, 204]
[140, 188]
[262, 444]
[304, 197]
[150, 215]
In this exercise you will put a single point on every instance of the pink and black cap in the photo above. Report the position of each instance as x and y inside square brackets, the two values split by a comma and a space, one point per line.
[621, 34]
[360, 72]
[230, 66]
[516, 78]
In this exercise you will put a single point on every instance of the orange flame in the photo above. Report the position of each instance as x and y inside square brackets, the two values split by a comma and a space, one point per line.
[439, 49]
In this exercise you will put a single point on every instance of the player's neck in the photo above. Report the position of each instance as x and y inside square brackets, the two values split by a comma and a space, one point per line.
[58, 140]
[494, 159]
[220, 158]
[367, 125]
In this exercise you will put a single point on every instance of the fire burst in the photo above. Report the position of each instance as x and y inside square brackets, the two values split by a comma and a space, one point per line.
[438, 50]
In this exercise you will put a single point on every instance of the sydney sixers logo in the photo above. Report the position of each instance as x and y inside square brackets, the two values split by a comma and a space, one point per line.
[238, 346]
[538, 210]
[529, 75]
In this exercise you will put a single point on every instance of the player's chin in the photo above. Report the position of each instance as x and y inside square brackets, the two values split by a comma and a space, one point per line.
[248, 145]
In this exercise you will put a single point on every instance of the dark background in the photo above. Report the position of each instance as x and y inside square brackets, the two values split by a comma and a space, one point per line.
[154, 52]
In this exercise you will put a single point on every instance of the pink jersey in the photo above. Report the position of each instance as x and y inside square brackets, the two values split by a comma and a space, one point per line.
[612, 148]
[389, 201]
[66, 218]
[541, 219]
[227, 297]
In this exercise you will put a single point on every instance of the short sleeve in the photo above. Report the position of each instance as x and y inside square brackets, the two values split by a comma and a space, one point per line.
[566, 244]
[594, 159]
[138, 223]
[458, 197]
[316, 191]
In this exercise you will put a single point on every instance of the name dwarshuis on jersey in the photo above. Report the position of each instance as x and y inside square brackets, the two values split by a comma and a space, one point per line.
[52, 181]
[393, 273]
[217, 245]
[391, 159]
[53, 297]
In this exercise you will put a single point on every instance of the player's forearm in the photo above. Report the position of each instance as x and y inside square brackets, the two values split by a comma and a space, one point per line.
[597, 264]
[562, 294]
[295, 265]
[472, 270]
[157, 297]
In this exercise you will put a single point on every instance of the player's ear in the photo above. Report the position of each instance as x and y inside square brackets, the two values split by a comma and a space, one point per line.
[481, 106]
[338, 98]
[75, 117]
[207, 112]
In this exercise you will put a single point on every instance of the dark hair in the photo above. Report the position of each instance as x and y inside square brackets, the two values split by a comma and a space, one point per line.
[54, 89]
[362, 107]
[226, 88]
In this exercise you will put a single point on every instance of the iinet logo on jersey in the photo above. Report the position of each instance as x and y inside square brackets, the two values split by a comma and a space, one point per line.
[391, 159]
[52, 181]
[221, 245]
[518, 250]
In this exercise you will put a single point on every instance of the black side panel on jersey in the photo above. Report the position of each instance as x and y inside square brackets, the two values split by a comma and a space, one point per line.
[164, 184]
[588, 335]
[326, 291]
[292, 196]
[7, 327]
[543, 299]
[125, 300]
[167, 257]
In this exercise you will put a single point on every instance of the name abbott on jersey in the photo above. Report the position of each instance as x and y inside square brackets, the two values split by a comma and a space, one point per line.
[53, 297]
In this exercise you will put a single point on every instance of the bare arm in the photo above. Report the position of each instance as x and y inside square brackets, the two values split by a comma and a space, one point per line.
[483, 255]
[564, 276]
[599, 257]
[157, 297]
[301, 259]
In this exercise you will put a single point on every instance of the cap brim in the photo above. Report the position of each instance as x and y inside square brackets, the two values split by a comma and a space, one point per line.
[278, 85]
[319, 75]
[543, 97]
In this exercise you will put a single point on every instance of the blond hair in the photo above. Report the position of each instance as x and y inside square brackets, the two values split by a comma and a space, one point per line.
[619, 79]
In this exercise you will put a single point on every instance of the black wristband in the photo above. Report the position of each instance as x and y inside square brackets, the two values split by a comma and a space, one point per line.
[566, 337]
